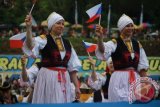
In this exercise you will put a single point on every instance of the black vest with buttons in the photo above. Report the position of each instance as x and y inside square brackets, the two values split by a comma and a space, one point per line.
[51, 55]
[122, 58]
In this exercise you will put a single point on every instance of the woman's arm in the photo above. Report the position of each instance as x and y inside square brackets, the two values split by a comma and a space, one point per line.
[93, 74]
[99, 34]
[28, 21]
[24, 73]
[143, 64]
[73, 66]
[74, 79]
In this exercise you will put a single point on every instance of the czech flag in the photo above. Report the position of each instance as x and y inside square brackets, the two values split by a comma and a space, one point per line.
[92, 26]
[17, 40]
[94, 12]
[90, 47]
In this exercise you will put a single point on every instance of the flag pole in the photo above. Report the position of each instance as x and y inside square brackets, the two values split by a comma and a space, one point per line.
[34, 2]
[89, 57]
[108, 21]
[76, 13]
[92, 66]
[141, 15]
[99, 20]
[31, 9]
[88, 54]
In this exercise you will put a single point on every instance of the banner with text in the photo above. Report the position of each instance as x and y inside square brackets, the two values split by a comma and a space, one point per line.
[12, 63]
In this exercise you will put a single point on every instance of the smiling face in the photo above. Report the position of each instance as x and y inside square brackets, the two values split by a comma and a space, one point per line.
[128, 30]
[57, 28]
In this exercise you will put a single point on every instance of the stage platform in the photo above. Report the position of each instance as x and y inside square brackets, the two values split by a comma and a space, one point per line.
[153, 103]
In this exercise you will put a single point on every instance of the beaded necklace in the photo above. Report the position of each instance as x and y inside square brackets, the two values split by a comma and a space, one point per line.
[129, 46]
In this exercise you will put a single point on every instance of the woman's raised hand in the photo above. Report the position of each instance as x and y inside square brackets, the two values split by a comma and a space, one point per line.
[99, 31]
[28, 21]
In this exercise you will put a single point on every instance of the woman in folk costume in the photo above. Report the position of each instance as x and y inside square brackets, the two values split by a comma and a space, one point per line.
[128, 56]
[59, 62]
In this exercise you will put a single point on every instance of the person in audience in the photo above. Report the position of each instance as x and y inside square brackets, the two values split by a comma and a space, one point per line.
[99, 82]
[6, 96]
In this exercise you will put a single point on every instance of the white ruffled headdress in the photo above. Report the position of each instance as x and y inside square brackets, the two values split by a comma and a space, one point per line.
[123, 21]
[53, 18]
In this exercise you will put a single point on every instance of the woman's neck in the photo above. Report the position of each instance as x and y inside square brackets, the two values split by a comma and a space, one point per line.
[125, 37]
[54, 35]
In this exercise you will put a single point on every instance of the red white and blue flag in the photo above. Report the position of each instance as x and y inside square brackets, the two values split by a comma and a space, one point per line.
[92, 26]
[94, 12]
[17, 40]
[90, 47]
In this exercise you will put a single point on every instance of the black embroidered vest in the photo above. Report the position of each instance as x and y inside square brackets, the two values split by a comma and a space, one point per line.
[122, 58]
[51, 55]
